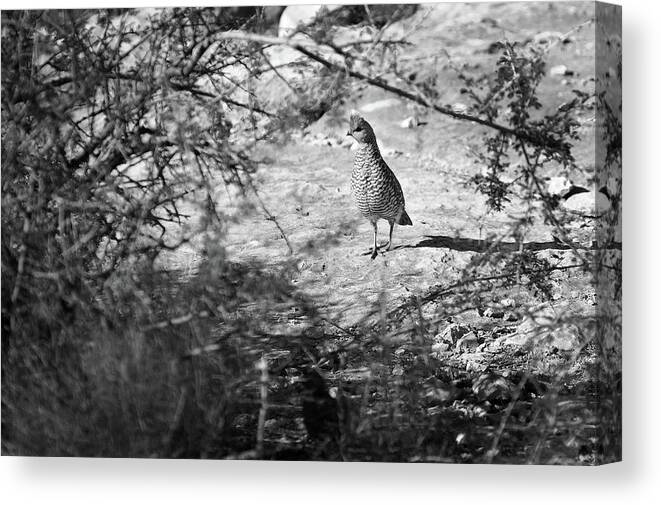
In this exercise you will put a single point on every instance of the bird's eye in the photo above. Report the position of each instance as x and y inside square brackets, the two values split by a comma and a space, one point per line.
[358, 129]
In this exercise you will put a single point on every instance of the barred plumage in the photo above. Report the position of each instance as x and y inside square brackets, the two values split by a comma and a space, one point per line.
[375, 188]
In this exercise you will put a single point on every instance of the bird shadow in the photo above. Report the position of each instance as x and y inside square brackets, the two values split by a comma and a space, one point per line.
[475, 245]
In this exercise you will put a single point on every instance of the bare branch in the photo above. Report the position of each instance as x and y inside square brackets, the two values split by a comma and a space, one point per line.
[304, 46]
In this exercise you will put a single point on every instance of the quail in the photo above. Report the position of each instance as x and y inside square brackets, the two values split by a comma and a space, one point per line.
[374, 186]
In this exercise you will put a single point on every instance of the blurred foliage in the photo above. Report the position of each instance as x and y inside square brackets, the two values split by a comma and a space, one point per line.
[119, 126]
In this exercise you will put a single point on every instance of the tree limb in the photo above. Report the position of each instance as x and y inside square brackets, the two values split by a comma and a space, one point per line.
[304, 46]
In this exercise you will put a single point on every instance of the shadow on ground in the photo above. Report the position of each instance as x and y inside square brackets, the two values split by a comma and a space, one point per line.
[475, 245]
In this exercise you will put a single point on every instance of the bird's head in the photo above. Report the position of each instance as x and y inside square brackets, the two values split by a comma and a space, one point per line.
[360, 129]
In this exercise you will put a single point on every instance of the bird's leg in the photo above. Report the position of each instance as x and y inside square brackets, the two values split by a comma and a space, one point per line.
[374, 250]
[389, 244]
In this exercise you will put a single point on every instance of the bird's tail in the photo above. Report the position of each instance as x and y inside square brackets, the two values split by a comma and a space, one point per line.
[404, 219]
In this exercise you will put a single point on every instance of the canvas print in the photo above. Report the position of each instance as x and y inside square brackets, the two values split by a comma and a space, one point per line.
[374, 233]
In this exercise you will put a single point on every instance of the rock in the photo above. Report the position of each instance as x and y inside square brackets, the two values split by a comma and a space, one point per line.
[542, 331]
[491, 312]
[491, 386]
[468, 342]
[440, 347]
[441, 394]
[475, 363]
[409, 122]
[588, 203]
[270, 423]
[296, 15]
[510, 316]
[559, 70]
[440, 350]
[508, 303]
[452, 333]
[578, 199]
[241, 420]
[558, 186]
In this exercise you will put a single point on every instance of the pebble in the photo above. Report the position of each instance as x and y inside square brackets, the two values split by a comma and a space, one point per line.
[560, 70]
[409, 122]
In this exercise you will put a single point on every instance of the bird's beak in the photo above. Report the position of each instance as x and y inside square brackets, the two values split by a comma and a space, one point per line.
[349, 133]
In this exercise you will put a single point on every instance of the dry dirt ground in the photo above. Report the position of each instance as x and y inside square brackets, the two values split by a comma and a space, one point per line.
[305, 183]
